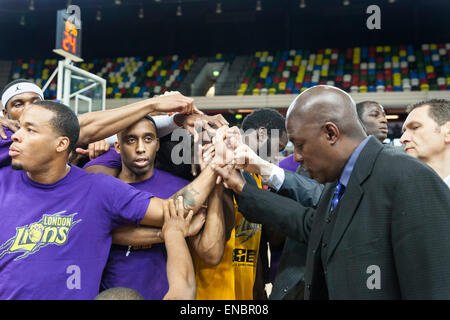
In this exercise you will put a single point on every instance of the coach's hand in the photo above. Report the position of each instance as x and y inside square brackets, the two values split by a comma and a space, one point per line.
[13, 125]
[232, 178]
[246, 159]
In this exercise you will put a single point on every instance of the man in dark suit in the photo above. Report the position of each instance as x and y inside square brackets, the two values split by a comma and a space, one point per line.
[381, 229]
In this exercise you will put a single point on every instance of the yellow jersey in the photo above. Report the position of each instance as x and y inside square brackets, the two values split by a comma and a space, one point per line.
[233, 278]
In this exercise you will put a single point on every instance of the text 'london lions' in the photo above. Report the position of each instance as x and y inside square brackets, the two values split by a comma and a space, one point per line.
[51, 229]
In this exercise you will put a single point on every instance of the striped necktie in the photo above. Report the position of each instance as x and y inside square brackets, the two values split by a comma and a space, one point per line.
[338, 192]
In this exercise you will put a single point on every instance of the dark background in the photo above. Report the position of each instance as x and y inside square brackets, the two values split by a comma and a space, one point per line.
[240, 29]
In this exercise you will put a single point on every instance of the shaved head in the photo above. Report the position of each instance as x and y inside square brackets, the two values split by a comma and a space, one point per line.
[324, 127]
[322, 104]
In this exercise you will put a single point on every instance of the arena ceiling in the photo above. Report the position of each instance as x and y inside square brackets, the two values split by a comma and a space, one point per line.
[141, 27]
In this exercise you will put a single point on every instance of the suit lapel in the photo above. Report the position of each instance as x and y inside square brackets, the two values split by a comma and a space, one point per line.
[344, 215]
[354, 192]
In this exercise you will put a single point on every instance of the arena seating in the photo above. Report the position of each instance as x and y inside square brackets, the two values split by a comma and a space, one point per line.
[127, 77]
[359, 69]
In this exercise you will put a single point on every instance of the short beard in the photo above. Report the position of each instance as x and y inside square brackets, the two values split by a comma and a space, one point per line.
[17, 166]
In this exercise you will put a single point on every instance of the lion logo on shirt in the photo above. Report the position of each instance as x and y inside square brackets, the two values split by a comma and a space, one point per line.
[51, 229]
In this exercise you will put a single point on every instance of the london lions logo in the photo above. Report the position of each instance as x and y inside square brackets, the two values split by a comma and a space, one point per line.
[51, 229]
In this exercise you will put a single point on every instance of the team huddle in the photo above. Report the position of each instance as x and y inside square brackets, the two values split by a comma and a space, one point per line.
[83, 217]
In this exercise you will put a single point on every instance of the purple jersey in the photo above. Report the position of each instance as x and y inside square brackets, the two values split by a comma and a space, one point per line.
[5, 160]
[55, 238]
[288, 163]
[144, 269]
[110, 159]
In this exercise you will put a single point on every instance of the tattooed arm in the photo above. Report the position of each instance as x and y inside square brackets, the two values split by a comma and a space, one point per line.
[194, 195]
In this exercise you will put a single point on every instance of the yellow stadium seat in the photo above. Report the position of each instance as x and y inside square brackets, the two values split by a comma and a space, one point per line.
[363, 89]
[424, 87]
[118, 95]
[256, 92]
[429, 69]
[150, 58]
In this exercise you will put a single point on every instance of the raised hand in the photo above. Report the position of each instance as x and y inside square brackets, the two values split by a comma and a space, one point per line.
[94, 149]
[246, 159]
[223, 152]
[174, 220]
[172, 102]
[12, 125]
[194, 123]
[232, 178]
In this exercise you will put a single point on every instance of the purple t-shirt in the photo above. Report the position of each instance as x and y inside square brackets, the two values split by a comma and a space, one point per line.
[5, 160]
[288, 163]
[55, 238]
[143, 270]
[110, 159]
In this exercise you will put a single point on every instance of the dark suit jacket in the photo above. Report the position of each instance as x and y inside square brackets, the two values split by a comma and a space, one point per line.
[288, 283]
[392, 223]
[289, 280]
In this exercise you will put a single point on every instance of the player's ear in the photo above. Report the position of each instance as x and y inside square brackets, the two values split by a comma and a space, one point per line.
[447, 132]
[62, 144]
[117, 147]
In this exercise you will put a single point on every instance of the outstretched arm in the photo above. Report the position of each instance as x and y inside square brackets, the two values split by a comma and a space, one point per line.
[209, 244]
[265, 207]
[180, 269]
[99, 125]
[145, 236]
[194, 195]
